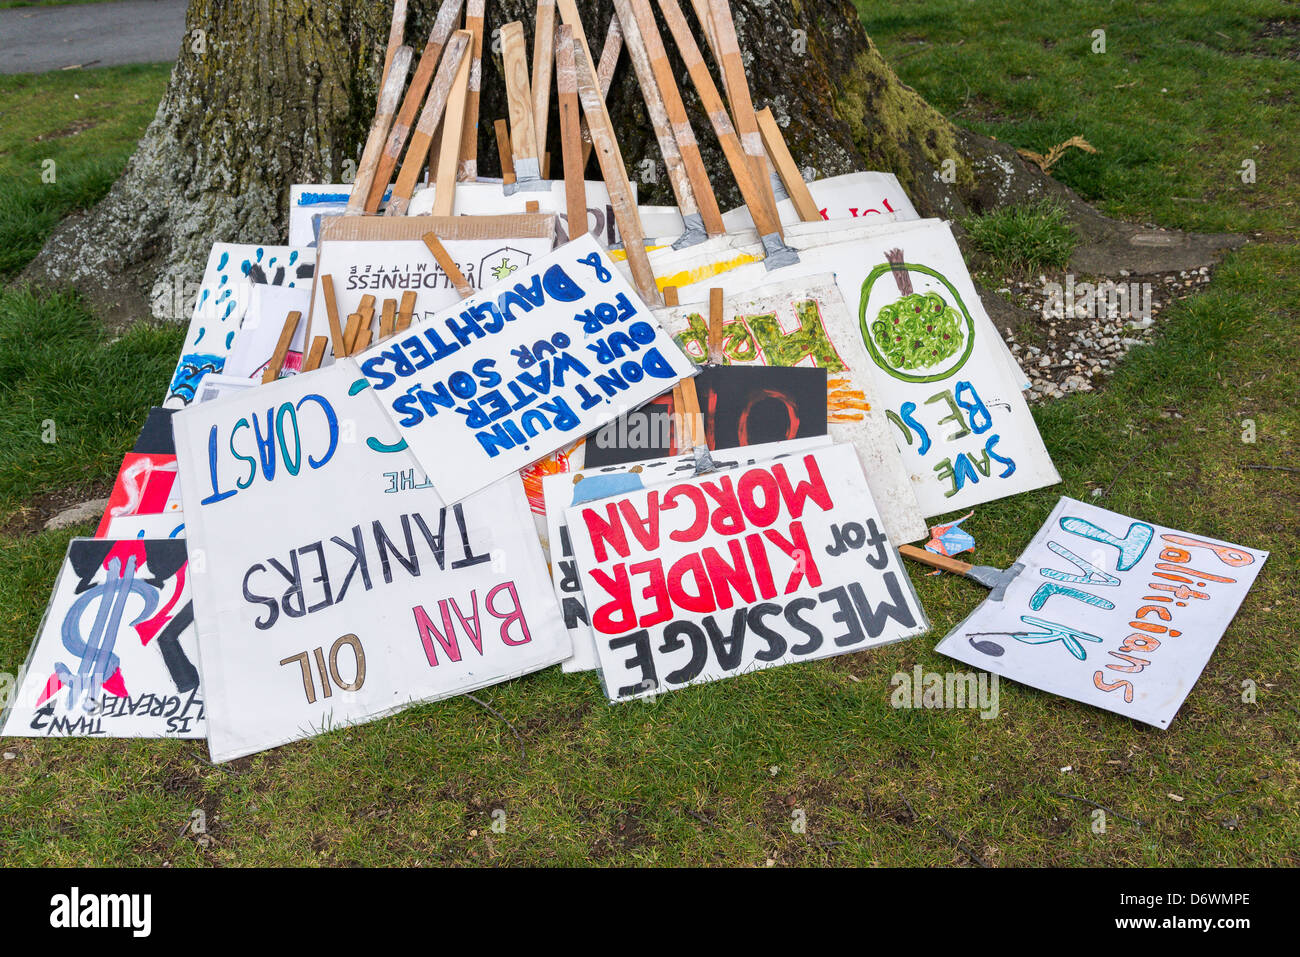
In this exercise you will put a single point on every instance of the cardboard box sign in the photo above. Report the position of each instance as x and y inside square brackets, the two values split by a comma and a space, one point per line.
[385, 256]
[222, 299]
[116, 655]
[739, 406]
[722, 574]
[565, 490]
[335, 587]
[1112, 611]
[510, 375]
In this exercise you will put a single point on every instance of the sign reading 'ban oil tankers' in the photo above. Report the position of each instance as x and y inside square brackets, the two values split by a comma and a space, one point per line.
[738, 571]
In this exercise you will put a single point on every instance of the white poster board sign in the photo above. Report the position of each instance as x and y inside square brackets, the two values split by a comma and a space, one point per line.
[527, 367]
[335, 587]
[958, 416]
[232, 272]
[116, 655]
[309, 203]
[567, 490]
[1114, 612]
[386, 257]
[254, 345]
[723, 574]
[787, 324]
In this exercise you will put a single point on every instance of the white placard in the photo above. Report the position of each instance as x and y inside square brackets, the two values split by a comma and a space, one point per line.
[788, 324]
[223, 297]
[720, 575]
[308, 203]
[1111, 611]
[116, 653]
[254, 346]
[334, 588]
[958, 416]
[514, 373]
[566, 490]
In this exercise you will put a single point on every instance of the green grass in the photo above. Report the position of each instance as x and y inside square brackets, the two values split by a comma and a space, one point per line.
[1023, 238]
[77, 128]
[714, 774]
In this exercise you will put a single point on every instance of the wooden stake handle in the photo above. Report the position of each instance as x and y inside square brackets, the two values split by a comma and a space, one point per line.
[566, 86]
[463, 288]
[787, 168]
[451, 162]
[467, 139]
[272, 371]
[543, 70]
[934, 560]
[378, 138]
[519, 99]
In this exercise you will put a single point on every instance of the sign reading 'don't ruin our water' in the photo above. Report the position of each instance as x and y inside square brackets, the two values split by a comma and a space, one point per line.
[331, 585]
[731, 572]
[508, 376]
[1110, 611]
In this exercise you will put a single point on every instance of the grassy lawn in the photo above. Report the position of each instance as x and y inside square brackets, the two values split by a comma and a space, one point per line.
[717, 774]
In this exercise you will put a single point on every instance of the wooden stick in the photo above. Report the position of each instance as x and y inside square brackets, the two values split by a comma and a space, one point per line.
[463, 288]
[704, 13]
[532, 206]
[608, 59]
[504, 151]
[395, 34]
[691, 403]
[615, 174]
[543, 68]
[375, 142]
[671, 298]
[717, 110]
[316, 355]
[944, 562]
[693, 161]
[566, 86]
[445, 23]
[519, 100]
[362, 341]
[332, 310]
[639, 55]
[405, 311]
[430, 118]
[742, 103]
[787, 168]
[272, 371]
[467, 171]
[367, 304]
[451, 162]
[350, 334]
[715, 325]
[388, 319]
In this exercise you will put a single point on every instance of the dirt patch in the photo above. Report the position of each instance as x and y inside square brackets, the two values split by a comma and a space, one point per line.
[1285, 30]
[72, 129]
[30, 519]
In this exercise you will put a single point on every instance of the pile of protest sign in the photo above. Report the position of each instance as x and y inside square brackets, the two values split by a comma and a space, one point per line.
[463, 429]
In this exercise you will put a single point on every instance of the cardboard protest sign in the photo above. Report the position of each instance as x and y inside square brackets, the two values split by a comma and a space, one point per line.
[959, 419]
[739, 406]
[165, 525]
[1111, 611]
[527, 367]
[145, 485]
[563, 491]
[255, 344]
[800, 324]
[724, 574]
[232, 272]
[384, 257]
[156, 434]
[335, 587]
[116, 655]
[310, 203]
[491, 199]
[875, 196]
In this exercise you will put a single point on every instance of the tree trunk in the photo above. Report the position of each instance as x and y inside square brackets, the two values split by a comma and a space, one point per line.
[266, 95]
